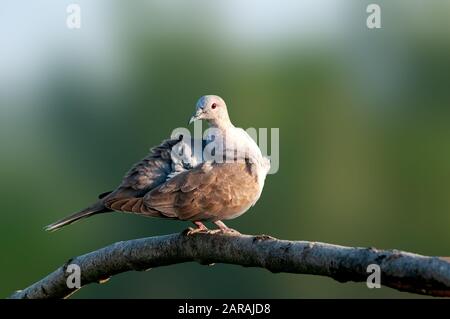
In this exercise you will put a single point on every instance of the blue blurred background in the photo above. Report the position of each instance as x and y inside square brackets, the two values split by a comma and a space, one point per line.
[363, 117]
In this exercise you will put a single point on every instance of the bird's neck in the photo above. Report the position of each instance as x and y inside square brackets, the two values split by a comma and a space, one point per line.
[222, 124]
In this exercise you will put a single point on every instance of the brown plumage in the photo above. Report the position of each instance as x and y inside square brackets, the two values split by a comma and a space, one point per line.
[145, 175]
[209, 191]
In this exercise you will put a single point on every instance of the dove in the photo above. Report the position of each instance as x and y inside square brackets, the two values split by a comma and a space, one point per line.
[212, 188]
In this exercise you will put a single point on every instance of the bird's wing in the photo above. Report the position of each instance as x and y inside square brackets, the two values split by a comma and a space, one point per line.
[152, 170]
[186, 155]
[207, 192]
[164, 162]
[145, 175]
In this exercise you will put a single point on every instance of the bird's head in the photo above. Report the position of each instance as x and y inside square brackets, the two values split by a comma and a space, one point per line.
[213, 109]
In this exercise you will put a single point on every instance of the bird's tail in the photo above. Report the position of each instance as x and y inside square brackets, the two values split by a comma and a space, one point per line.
[97, 208]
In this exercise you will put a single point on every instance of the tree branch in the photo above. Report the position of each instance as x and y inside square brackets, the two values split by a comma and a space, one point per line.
[400, 270]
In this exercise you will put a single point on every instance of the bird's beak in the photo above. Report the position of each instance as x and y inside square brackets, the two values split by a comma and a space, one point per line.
[197, 116]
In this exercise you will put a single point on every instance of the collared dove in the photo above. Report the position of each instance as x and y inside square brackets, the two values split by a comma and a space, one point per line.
[190, 188]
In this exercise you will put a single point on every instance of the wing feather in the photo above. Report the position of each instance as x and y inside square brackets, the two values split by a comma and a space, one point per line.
[207, 192]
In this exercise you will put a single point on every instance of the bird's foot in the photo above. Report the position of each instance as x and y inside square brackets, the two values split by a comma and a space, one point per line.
[201, 228]
[224, 228]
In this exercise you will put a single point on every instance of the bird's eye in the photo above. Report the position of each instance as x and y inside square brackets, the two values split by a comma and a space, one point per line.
[213, 106]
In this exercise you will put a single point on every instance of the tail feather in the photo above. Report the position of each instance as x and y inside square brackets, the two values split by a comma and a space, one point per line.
[97, 208]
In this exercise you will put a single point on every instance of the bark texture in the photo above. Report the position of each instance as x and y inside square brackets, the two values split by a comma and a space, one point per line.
[399, 270]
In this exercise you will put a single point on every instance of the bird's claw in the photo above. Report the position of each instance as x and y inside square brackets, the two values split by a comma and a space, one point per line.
[224, 231]
[230, 231]
[224, 228]
[192, 231]
[201, 228]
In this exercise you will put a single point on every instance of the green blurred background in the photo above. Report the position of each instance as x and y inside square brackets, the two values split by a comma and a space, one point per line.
[364, 122]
